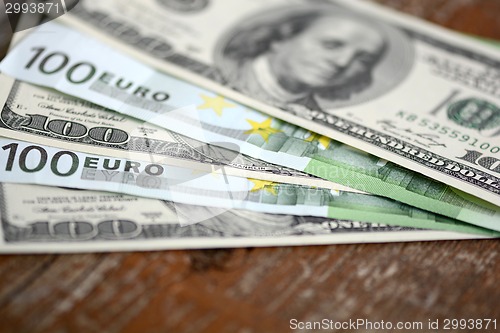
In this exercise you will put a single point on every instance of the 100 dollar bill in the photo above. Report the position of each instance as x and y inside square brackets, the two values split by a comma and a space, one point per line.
[30, 163]
[35, 114]
[52, 60]
[387, 83]
[48, 219]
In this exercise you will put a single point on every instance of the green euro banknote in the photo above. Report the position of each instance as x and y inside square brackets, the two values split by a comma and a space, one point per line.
[73, 63]
[23, 162]
[49, 219]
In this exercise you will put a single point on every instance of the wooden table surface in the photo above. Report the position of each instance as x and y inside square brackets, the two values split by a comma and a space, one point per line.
[262, 289]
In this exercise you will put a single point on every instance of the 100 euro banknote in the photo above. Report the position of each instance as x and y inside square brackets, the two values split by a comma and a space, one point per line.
[30, 163]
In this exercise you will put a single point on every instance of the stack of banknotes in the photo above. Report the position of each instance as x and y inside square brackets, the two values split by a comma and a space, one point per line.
[158, 124]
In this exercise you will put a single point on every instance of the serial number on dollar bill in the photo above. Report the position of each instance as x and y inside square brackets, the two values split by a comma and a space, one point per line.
[438, 128]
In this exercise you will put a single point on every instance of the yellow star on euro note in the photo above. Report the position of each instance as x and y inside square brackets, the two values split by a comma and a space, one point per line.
[216, 103]
[265, 185]
[264, 128]
[324, 140]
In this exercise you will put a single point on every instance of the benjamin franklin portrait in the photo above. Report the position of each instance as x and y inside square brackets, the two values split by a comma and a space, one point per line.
[313, 57]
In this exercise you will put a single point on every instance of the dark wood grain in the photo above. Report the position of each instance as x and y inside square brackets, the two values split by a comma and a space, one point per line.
[477, 17]
[261, 289]
[248, 290]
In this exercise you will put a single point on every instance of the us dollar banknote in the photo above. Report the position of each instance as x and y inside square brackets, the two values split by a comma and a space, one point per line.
[35, 114]
[47, 57]
[392, 85]
[49, 219]
[31, 163]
